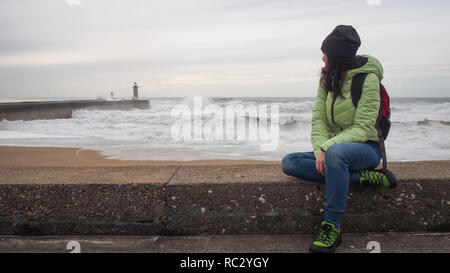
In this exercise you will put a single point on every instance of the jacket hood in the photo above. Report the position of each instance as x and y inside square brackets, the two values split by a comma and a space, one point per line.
[372, 65]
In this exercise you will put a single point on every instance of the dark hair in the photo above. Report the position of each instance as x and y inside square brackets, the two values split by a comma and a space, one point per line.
[332, 77]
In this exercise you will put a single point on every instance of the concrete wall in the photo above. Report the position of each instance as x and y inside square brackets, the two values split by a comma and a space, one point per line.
[195, 200]
[62, 109]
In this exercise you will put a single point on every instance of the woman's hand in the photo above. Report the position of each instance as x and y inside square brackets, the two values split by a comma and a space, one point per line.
[320, 163]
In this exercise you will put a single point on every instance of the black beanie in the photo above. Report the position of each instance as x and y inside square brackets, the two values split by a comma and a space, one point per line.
[341, 44]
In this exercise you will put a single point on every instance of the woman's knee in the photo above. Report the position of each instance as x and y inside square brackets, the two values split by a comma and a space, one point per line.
[290, 162]
[335, 155]
[286, 163]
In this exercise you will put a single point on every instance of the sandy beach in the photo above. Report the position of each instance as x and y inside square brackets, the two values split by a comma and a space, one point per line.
[76, 157]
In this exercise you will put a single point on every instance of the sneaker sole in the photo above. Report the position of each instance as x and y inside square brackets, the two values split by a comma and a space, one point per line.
[321, 249]
[390, 176]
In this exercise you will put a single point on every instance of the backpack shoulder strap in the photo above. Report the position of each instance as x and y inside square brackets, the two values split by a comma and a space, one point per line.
[356, 89]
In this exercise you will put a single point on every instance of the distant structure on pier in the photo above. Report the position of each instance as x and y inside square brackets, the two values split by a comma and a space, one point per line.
[135, 91]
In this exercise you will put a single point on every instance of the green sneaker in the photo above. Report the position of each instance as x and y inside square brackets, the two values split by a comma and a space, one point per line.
[380, 177]
[328, 239]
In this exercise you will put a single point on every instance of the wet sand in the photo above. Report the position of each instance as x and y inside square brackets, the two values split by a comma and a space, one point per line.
[76, 157]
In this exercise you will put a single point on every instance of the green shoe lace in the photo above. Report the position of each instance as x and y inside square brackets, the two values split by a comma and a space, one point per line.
[375, 178]
[328, 236]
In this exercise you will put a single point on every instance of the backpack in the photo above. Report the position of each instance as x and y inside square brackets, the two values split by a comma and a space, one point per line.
[383, 123]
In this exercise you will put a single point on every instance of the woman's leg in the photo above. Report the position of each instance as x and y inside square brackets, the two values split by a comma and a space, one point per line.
[301, 165]
[339, 160]
[305, 170]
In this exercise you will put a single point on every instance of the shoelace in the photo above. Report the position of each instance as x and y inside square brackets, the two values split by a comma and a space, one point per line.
[372, 177]
[327, 236]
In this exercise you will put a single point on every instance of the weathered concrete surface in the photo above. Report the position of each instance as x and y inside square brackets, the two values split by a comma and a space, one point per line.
[193, 200]
[242, 200]
[298, 243]
[97, 200]
[86, 175]
[61, 109]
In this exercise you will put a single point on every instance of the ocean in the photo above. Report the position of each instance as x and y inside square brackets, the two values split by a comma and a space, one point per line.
[420, 130]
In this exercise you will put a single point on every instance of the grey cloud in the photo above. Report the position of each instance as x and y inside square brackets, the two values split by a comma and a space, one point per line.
[121, 40]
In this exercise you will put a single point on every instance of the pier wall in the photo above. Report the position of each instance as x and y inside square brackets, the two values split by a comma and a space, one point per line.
[62, 109]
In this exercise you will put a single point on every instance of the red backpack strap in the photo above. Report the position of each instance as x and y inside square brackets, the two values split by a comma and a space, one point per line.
[384, 104]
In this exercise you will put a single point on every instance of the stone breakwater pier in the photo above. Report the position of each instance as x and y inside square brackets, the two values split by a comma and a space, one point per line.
[63, 109]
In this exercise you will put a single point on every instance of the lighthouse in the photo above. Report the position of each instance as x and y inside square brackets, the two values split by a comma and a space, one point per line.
[135, 91]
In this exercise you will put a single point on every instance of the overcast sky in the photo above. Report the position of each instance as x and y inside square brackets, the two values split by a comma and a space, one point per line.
[56, 48]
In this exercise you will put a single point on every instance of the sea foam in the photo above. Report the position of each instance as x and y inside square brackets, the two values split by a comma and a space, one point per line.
[420, 130]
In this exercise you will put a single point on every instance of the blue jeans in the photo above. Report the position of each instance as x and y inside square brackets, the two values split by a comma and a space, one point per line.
[342, 162]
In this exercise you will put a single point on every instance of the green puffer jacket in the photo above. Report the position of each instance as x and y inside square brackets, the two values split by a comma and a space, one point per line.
[350, 124]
